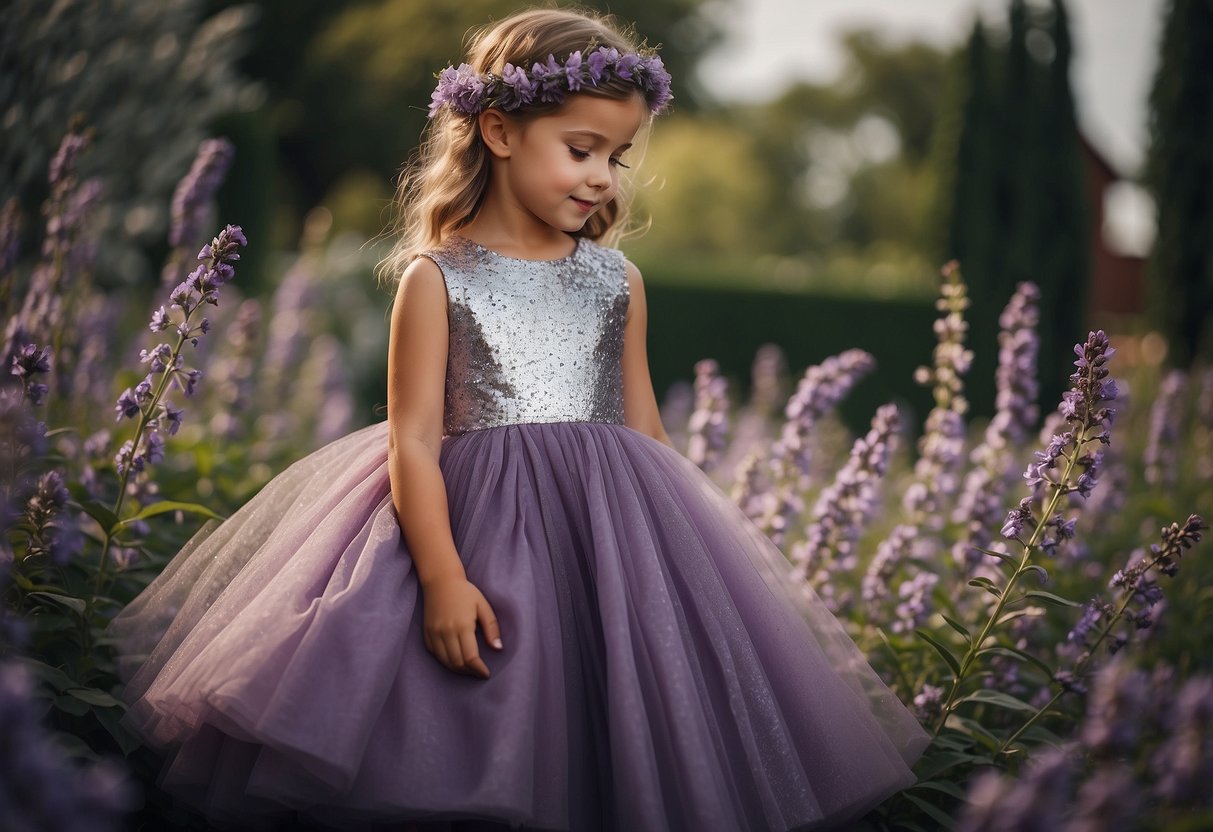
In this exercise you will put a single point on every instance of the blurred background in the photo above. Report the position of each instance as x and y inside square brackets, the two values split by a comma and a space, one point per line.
[823, 160]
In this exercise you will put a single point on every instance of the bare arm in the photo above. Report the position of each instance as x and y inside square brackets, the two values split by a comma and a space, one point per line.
[639, 403]
[417, 355]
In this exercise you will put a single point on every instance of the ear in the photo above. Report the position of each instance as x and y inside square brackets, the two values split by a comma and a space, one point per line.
[497, 132]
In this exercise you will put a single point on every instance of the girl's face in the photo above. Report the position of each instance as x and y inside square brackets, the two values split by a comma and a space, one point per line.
[564, 167]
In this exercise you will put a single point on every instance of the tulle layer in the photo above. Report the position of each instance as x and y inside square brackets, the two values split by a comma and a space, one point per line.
[659, 671]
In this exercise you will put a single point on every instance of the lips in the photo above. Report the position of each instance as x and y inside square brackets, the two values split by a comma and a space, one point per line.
[584, 204]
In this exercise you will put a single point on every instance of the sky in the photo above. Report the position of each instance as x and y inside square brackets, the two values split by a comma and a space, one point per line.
[1115, 46]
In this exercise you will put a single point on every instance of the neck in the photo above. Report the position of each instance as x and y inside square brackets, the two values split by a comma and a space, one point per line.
[504, 225]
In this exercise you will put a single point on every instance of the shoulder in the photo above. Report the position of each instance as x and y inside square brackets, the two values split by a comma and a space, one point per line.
[421, 283]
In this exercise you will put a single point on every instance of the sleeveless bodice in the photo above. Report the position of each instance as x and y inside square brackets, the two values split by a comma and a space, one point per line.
[532, 340]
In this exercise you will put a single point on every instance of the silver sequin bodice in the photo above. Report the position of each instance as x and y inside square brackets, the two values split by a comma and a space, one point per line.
[532, 340]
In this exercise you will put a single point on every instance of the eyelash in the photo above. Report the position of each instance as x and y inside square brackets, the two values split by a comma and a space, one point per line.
[585, 154]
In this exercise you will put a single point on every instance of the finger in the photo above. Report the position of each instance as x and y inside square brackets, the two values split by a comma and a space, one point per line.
[454, 652]
[488, 625]
[438, 648]
[471, 654]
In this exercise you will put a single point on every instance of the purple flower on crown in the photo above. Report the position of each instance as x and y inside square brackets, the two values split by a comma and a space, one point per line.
[625, 67]
[461, 87]
[549, 81]
[517, 90]
[549, 77]
[657, 82]
[573, 73]
[601, 60]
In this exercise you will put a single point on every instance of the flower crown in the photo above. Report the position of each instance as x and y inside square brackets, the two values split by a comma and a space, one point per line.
[467, 92]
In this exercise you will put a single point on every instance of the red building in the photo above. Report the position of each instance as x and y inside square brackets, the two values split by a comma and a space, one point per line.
[1117, 280]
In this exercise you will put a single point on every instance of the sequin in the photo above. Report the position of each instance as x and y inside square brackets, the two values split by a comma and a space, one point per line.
[532, 340]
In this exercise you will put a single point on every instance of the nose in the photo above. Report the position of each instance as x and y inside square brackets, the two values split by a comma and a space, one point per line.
[599, 175]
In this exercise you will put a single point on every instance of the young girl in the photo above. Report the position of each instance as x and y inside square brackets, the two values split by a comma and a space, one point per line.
[511, 602]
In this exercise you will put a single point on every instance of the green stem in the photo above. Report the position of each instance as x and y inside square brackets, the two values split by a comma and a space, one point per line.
[144, 416]
[975, 646]
[1080, 666]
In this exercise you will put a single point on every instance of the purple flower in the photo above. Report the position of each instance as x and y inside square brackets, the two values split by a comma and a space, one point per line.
[819, 391]
[573, 73]
[601, 62]
[51, 532]
[1017, 518]
[656, 83]
[44, 787]
[1036, 801]
[194, 193]
[461, 87]
[160, 320]
[1118, 698]
[709, 423]
[626, 65]
[29, 363]
[1163, 436]
[549, 78]
[846, 504]
[928, 703]
[127, 406]
[517, 89]
[1184, 761]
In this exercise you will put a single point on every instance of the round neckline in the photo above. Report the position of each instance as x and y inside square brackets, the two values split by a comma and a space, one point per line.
[498, 254]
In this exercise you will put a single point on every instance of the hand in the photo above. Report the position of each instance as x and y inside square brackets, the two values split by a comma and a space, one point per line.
[452, 606]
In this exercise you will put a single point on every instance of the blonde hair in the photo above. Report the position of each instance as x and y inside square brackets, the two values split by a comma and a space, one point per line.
[441, 188]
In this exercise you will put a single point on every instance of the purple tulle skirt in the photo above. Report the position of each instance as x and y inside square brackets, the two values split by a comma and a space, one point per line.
[660, 670]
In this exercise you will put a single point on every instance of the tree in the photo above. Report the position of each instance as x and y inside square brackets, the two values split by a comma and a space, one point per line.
[1015, 204]
[883, 88]
[1179, 173]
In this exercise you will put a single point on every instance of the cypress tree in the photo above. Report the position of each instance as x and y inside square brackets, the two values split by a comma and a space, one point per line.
[1179, 173]
[966, 158]
[1018, 157]
[1063, 231]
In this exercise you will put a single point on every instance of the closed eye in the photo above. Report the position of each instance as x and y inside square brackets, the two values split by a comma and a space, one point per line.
[578, 153]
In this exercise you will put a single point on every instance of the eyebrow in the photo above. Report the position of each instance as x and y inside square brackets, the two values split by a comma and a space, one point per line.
[596, 135]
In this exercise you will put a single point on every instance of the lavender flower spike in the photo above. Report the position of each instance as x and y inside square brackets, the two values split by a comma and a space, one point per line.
[196, 190]
[846, 504]
[147, 399]
[709, 424]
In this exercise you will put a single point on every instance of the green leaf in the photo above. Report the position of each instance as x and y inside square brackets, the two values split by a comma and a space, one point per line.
[1002, 556]
[998, 699]
[987, 585]
[166, 506]
[76, 605]
[946, 786]
[1040, 572]
[71, 705]
[941, 649]
[976, 730]
[958, 627]
[73, 745]
[106, 518]
[1050, 598]
[110, 720]
[1016, 653]
[931, 767]
[936, 814]
[95, 696]
[1040, 735]
[53, 676]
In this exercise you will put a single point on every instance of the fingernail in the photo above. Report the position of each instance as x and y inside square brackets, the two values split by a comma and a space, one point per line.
[497, 643]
